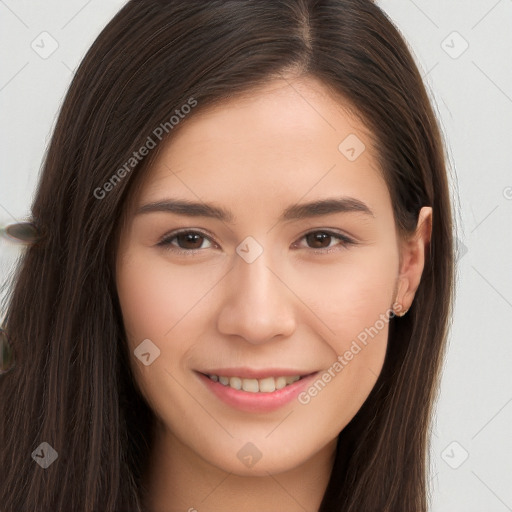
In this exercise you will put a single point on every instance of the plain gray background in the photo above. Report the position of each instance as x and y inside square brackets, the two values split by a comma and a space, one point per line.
[464, 50]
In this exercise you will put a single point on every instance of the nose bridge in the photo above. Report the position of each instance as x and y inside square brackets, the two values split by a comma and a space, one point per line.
[257, 305]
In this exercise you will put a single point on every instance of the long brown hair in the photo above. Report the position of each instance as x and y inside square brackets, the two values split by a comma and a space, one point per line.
[71, 385]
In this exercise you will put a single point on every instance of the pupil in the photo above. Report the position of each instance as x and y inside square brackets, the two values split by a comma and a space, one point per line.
[191, 238]
[317, 240]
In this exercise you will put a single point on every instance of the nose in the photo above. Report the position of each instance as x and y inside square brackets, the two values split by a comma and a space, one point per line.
[258, 304]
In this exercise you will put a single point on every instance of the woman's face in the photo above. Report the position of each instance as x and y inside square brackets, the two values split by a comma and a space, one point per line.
[269, 290]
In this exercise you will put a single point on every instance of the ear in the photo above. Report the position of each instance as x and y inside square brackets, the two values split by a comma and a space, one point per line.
[412, 259]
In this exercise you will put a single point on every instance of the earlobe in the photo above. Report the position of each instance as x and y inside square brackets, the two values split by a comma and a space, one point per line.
[400, 307]
[413, 255]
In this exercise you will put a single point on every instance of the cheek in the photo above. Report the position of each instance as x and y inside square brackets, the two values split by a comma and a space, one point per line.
[150, 308]
[350, 295]
[358, 348]
[153, 301]
[156, 296]
[352, 303]
[167, 304]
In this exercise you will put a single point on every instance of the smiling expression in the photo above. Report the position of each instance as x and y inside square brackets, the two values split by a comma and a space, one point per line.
[258, 248]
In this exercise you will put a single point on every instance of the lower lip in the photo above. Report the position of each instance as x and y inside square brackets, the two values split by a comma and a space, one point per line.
[257, 402]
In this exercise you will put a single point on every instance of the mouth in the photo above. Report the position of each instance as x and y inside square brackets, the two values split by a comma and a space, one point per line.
[253, 385]
[256, 391]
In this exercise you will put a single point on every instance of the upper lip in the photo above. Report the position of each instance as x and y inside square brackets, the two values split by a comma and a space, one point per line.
[254, 373]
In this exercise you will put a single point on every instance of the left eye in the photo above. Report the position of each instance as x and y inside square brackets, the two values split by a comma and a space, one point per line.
[323, 239]
[189, 241]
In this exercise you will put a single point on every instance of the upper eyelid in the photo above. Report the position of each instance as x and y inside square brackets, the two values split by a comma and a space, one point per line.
[174, 234]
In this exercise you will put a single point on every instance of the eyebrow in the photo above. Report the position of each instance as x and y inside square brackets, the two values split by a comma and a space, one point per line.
[293, 212]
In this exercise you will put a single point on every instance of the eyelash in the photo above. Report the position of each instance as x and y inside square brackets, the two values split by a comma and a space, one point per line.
[166, 241]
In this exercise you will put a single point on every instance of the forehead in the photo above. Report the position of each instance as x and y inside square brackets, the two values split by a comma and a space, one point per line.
[280, 115]
[286, 138]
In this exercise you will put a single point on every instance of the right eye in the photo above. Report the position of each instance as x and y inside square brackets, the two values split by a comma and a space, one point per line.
[185, 241]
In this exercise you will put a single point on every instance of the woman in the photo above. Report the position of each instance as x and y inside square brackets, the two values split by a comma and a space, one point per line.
[288, 359]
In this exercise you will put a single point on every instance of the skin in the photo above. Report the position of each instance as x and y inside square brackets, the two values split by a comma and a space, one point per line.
[294, 306]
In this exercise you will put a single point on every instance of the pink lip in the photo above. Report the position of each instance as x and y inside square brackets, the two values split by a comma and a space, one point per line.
[256, 402]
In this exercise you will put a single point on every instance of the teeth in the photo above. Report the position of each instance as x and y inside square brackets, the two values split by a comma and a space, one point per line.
[280, 382]
[235, 382]
[266, 385]
[250, 385]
